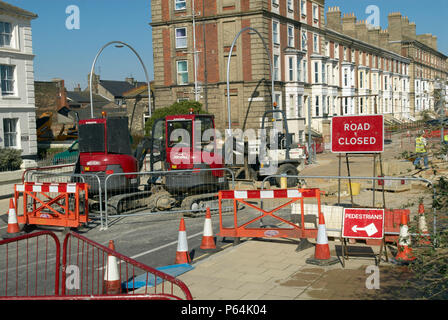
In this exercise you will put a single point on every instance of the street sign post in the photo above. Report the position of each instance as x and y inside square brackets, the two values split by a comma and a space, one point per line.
[357, 134]
[360, 223]
[363, 223]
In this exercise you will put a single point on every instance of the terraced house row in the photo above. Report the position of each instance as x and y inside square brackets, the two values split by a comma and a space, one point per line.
[326, 61]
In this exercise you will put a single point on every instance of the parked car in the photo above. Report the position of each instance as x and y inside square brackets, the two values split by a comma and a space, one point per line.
[68, 156]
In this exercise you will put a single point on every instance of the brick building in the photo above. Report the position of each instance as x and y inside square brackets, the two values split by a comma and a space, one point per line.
[337, 65]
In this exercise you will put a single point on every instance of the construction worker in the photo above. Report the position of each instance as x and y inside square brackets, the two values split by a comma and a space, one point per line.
[420, 149]
[445, 138]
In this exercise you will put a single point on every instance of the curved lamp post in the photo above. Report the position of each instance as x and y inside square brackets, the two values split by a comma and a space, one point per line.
[228, 70]
[118, 43]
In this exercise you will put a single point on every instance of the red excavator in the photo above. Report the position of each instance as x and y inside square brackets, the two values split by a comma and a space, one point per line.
[105, 148]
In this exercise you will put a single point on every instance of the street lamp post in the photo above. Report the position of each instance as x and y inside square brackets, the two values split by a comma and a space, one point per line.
[118, 44]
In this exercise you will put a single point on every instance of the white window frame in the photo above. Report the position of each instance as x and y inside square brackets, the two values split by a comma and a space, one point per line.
[290, 5]
[315, 13]
[291, 68]
[180, 40]
[299, 69]
[304, 41]
[316, 72]
[176, 2]
[275, 32]
[276, 60]
[6, 35]
[305, 70]
[290, 36]
[181, 73]
[8, 134]
[303, 8]
[7, 76]
[315, 43]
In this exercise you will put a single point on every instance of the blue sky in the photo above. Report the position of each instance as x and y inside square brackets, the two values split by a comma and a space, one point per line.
[68, 54]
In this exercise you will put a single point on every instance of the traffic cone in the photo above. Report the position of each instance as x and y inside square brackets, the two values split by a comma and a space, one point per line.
[112, 283]
[182, 255]
[208, 242]
[422, 227]
[404, 255]
[13, 229]
[322, 249]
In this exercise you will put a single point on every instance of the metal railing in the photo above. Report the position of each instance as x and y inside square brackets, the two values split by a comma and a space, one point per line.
[144, 197]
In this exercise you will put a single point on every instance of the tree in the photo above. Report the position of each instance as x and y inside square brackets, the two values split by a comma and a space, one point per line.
[182, 107]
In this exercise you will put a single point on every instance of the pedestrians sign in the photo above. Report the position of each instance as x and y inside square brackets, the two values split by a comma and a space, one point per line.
[357, 134]
[363, 223]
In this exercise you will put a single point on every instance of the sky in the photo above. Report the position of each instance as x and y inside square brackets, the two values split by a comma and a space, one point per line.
[69, 53]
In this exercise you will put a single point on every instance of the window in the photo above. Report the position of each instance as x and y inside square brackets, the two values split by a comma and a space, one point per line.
[291, 68]
[290, 36]
[299, 69]
[316, 72]
[323, 73]
[275, 37]
[327, 48]
[305, 71]
[291, 107]
[374, 82]
[361, 105]
[317, 106]
[5, 34]
[276, 67]
[361, 80]
[10, 132]
[345, 54]
[345, 105]
[7, 79]
[181, 37]
[299, 106]
[316, 43]
[345, 77]
[304, 41]
[303, 7]
[180, 4]
[275, 3]
[290, 7]
[315, 13]
[385, 82]
[182, 72]
[336, 51]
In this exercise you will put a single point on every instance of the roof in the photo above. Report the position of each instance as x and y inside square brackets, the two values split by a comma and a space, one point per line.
[118, 88]
[110, 108]
[6, 8]
[141, 91]
[84, 97]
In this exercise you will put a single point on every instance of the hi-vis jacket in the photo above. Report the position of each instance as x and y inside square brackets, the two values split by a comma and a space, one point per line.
[420, 145]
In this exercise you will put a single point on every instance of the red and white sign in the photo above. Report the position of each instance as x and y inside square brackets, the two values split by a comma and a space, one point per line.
[363, 223]
[357, 134]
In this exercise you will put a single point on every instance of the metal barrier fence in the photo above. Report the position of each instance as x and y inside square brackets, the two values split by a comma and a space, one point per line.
[30, 269]
[379, 179]
[164, 192]
[87, 261]
[95, 207]
[63, 168]
[30, 266]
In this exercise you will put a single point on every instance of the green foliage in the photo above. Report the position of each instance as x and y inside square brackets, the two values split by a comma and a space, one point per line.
[182, 107]
[10, 159]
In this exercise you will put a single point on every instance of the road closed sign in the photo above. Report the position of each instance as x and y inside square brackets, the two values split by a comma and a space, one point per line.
[363, 223]
[357, 134]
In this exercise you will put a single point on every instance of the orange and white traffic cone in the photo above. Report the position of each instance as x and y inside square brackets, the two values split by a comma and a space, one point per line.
[208, 242]
[112, 283]
[404, 255]
[322, 255]
[422, 227]
[13, 229]
[182, 255]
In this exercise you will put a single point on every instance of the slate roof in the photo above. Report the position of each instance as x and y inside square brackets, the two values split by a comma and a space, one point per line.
[9, 8]
[84, 97]
[118, 88]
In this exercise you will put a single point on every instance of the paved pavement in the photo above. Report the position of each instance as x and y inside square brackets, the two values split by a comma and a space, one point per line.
[273, 270]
